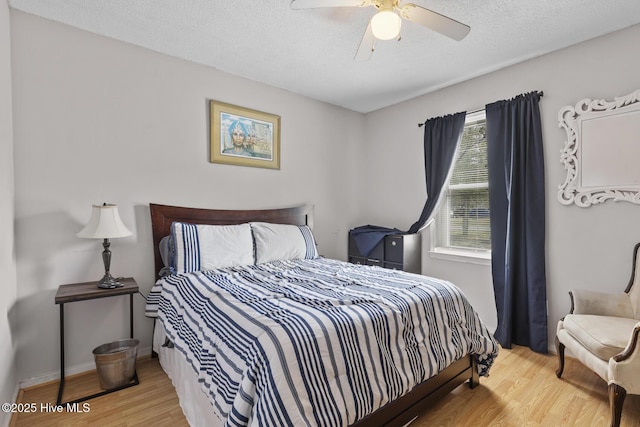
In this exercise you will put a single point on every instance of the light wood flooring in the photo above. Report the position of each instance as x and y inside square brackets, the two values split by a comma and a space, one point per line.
[522, 390]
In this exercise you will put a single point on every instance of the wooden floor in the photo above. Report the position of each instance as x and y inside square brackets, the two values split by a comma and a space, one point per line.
[153, 402]
[521, 391]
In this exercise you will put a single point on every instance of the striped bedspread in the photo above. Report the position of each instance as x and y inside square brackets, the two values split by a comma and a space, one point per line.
[315, 342]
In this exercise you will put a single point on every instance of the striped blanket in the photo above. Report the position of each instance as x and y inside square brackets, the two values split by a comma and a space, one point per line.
[315, 342]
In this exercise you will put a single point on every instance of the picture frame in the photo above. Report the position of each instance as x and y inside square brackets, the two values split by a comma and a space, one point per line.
[244, 137]
[601, 151]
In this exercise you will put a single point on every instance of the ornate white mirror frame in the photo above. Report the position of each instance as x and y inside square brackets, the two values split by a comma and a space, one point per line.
[602, 152]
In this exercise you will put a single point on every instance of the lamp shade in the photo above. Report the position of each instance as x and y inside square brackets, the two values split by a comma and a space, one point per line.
[105, 223]
[385, 25]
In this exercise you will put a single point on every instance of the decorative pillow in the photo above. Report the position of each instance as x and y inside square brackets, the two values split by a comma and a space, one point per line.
[166, 252]
[276, 242]
[205, 247]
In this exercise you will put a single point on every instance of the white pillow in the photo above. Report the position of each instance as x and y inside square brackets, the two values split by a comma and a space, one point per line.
[205, 247]
[276, 242]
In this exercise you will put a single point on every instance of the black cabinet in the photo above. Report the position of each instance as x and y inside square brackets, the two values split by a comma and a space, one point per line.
[395, 251]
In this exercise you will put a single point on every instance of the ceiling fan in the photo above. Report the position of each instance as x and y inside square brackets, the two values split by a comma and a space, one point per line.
[386, 23]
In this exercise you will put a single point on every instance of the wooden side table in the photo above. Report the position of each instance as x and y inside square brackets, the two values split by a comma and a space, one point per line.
[88, 291]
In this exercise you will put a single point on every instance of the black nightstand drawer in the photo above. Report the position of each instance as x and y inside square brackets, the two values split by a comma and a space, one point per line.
[394, 265]
[393, 248]
[373, 261]
[357, 260]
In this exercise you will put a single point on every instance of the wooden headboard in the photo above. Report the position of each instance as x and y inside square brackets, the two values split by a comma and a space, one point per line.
[162, 216]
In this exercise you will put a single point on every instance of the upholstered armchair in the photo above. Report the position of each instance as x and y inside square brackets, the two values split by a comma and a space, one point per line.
[602, 332]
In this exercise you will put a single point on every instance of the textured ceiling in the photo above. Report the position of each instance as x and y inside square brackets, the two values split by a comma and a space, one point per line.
[310, 52]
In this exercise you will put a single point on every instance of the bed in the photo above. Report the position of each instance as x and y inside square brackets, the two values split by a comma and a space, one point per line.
[291, 338]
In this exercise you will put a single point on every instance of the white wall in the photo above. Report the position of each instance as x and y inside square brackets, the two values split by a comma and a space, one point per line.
[8, 287]
[586, 247]
[97, 121]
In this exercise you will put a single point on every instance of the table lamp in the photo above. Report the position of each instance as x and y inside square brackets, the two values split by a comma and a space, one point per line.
[105, 223]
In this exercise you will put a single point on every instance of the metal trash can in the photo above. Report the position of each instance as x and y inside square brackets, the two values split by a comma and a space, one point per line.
[116, 362]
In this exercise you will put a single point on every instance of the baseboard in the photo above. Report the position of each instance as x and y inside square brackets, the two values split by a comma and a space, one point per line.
[69, 370]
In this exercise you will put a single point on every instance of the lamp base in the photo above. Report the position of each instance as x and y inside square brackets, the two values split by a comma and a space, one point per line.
[109, 282]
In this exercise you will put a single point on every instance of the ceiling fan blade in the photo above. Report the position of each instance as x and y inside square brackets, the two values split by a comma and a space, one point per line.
[430, 19]
[312, 4]
[367, 45]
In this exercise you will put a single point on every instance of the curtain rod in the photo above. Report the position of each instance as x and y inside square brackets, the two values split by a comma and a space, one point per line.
[539, 92]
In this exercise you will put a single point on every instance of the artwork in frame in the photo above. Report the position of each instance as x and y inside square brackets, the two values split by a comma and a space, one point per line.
[245, 137]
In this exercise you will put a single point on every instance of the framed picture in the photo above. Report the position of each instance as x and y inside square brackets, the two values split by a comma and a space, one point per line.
[244, 137]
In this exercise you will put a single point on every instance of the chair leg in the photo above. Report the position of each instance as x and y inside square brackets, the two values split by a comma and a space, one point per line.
[616, 399]
[560, 349]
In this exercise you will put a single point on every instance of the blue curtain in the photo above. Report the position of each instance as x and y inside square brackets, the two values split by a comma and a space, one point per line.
[441, 137]
[516, 201]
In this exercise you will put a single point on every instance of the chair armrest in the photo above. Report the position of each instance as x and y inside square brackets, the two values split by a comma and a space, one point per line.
[601, 303]
[625, 366]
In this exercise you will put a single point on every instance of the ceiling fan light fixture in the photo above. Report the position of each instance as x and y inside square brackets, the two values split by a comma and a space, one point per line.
[385, 25]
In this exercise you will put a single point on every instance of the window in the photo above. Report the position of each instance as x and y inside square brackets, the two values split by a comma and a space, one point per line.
[462, 220]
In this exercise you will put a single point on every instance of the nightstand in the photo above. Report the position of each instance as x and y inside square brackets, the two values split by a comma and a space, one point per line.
[396, 251]
[88, 291]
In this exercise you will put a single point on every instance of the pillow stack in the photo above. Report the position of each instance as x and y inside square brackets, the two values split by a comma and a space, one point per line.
[194, 247]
